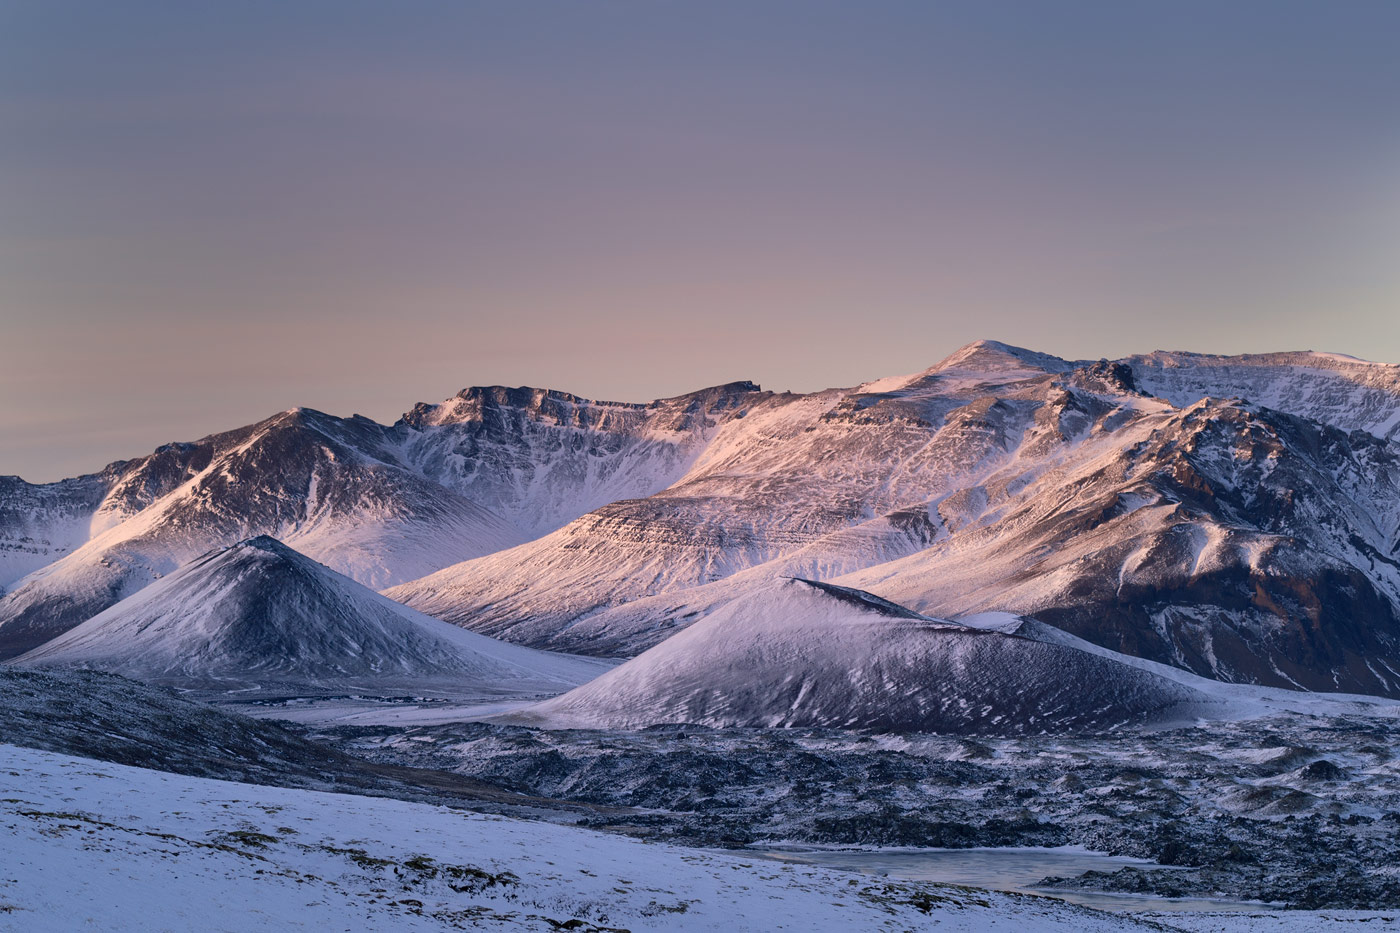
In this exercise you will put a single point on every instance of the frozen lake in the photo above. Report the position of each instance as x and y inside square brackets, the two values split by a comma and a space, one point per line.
[1006, 869]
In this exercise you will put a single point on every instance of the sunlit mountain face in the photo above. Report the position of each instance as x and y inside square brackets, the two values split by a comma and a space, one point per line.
[1231, 516]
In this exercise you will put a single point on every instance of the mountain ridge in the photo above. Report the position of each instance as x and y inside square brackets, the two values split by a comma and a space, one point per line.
[934, 459]
[1234, 515]
[382, 503]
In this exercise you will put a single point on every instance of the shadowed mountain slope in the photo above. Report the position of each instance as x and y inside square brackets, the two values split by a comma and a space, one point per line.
[804, 654]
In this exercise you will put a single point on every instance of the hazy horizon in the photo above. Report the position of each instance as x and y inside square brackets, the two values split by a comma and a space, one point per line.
[388, 412]
[214, 214]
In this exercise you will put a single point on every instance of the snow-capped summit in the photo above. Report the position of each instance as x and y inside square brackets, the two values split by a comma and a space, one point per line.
[332, 487]
[258, 613]
[994, 356]
[980, 363]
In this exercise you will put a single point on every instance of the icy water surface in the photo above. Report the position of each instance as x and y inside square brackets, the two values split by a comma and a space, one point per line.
[1007, 869]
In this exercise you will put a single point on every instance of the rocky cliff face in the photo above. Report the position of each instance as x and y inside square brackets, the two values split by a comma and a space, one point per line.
[540, 458]
[1347, 393]
[1243, 544]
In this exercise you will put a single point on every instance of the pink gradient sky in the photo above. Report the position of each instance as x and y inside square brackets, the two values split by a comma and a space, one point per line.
[209, 215]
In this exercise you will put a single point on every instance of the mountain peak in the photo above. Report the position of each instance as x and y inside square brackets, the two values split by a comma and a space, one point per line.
[265, 543]
[740, 387]
[979, 358]
[995, 356]
[233, 617]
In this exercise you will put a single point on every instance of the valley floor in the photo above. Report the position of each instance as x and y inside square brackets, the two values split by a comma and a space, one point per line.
[1296, 810]
[98, 846]
[1291, 821]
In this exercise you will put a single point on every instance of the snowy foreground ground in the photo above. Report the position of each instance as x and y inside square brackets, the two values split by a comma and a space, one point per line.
[86, 845]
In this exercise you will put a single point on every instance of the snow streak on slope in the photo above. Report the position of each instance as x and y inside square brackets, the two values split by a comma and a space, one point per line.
[260, 614]
[804, 654]
[106, 847]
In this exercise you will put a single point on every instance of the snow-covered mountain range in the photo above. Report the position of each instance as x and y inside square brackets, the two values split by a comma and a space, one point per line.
[382, 504]
[1239, 541]
[1236, 516]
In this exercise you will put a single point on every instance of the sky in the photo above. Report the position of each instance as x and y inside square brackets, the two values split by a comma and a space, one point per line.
[211, 212]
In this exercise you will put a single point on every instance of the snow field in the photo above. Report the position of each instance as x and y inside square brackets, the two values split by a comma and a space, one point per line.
[97, 846]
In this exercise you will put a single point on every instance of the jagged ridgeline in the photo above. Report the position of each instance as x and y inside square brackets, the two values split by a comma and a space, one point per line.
[1235, 516]
[482, 471]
